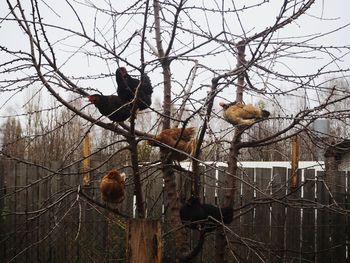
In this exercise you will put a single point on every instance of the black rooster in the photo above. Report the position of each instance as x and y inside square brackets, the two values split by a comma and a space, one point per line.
[196, 215]
[127, 88]
[111, 106]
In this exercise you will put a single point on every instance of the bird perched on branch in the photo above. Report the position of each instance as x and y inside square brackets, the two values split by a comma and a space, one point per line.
[112, 187]
[127, 87]
[198, 216]
[238, 113]
[111, 106]
[181, 139]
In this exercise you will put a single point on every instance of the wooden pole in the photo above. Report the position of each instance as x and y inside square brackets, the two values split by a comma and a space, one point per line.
[144, 243]
[86, 160]
[295, 162]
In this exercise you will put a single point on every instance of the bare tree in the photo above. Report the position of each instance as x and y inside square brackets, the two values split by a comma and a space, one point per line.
[12, 138]
[196, 54]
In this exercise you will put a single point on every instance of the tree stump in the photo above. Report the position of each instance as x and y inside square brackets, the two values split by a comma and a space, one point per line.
[143, 241]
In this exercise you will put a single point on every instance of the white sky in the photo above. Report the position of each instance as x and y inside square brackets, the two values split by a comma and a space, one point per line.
[333, 14]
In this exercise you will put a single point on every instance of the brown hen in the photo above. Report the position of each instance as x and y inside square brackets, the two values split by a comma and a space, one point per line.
[112, 187]
[171, 137]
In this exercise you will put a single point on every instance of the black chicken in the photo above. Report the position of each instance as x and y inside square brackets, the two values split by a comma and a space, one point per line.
[223, 214]
[127, 88]
[193, 214]
[196, 215]
[111, 106]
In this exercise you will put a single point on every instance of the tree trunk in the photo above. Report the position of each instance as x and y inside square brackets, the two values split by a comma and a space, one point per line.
[182, 244]
[230, 177]
[140, 206]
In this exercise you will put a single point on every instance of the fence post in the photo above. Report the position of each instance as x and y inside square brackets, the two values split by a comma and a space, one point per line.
[86, 160]
[295, 162]
[143, 241]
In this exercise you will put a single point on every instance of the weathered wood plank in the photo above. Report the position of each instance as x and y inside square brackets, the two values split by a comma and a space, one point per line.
[338, 219]
[244, 245]
[293, 225]
[153, 184]
[308, 219]
[322, 242]
[127, 205]
[144, 241]
[209, 180]
[262, 212]
[278, 215]
[221, 184]
[237, 224]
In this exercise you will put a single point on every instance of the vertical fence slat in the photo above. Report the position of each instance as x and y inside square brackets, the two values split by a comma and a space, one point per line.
[278, 214]
[323, 243]
[128, 204]
[210, 187]
[209, 184]
[237, 225]
[338, 220]
[293, 225]
[245, 247]
[221, 184]
[153, 182]
[36, 224]
[5, 235]
[12, 204]
[308, 219]
[262, 212]
[201, 181]
[28, 202]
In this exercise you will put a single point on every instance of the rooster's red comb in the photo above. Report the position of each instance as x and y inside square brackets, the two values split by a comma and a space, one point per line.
[123, 71]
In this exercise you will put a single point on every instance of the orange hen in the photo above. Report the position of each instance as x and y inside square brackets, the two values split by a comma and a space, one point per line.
[238, 113]
[112, 187]
[171, 137]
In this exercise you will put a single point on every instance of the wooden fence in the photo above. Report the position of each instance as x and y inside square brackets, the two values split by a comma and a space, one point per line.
[280, 224]
[43, 219]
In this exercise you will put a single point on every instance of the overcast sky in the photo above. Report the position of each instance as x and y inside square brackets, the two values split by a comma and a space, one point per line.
[323, 17]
